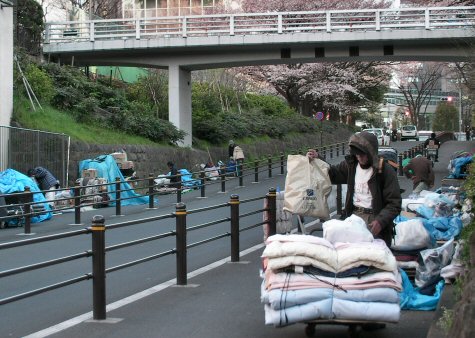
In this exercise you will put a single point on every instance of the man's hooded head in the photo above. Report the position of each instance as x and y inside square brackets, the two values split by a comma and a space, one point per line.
[365, 143]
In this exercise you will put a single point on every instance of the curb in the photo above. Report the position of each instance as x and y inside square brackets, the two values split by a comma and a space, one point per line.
[447, 301]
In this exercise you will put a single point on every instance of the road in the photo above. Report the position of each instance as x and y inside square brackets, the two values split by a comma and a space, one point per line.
[36, 313]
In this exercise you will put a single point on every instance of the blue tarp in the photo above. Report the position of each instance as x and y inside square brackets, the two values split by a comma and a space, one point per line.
[107, 168]
[12, 181]
[411, 299]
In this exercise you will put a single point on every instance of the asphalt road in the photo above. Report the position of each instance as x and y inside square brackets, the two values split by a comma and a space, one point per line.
[36, 313]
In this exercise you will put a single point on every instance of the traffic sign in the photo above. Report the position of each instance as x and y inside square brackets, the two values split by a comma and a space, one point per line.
[320, 115]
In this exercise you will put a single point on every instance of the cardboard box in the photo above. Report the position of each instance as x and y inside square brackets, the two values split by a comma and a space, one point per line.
[126, 165]
[119, 157]
[89, 173]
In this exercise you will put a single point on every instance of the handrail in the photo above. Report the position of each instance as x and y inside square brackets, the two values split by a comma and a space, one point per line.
[262, 23]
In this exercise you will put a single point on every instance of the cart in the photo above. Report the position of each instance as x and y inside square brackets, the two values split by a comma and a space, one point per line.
[354, 326]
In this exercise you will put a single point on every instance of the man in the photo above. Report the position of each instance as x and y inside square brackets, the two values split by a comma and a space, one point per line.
[419, 169]
[433, 143]
[46, 182]
[373, 191]
[173, 175]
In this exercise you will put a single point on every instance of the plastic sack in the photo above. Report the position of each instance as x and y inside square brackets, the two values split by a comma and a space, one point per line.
[410, 235]
[432, 261]
[307, 186]
[284, 222]
[443, 228]
[352, 230]
[411, 299]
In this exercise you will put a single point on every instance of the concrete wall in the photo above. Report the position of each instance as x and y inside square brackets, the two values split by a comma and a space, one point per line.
[149, 159]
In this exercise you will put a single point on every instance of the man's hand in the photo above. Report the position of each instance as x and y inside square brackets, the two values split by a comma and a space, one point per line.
[311, 154]
[375, 228]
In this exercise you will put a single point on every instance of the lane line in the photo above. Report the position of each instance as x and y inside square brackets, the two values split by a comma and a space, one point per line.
[135, 297]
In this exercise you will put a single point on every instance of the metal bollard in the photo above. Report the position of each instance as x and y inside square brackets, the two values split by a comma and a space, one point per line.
[241, 173]
[281, 163]
[272, 204]
[27, 199]
[343, 149]
[234, 203]
[256, 171]
[269, 165]
[178, 189]
[223, 181]
[203, 184]
[118, 205]
[77, 203]
[331, 150]
[98, 268]
[181, 269]
[324, 151]
[337, 149]
[339, 202]
[400, 169]
[151, 195]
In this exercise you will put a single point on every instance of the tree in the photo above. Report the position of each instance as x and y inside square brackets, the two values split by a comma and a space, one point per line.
[445, 117]
[417, 81]
[339, 89]
[30, 26]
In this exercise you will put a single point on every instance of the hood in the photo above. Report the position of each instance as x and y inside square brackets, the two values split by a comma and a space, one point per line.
[368, 143]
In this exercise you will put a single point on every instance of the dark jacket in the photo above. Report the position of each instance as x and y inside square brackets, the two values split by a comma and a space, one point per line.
[419, 170]
[384, 186]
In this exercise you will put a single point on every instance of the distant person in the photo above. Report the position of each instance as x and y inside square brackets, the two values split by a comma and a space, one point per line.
[238, 157]
[173, 175]
[46, 182]
[419, 170]
[231, 148]
[468, 133]
[432, 141]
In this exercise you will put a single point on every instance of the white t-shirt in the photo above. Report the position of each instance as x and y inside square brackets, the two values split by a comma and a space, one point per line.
[362, 197]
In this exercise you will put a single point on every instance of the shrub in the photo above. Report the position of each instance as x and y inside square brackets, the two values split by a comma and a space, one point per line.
[40, 83]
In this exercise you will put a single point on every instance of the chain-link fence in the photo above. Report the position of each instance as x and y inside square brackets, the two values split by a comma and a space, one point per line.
[22, 149]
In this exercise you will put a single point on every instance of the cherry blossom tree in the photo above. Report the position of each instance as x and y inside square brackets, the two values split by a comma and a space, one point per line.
[339, 89]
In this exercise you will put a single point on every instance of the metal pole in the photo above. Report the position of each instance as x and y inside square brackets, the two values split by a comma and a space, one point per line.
[151, 195]
[234, 203]
[203, 184]
[223, 181]
[241, 173]
[339, 202]
[27, 199]
[400, 169]
[271, 202]
[98, 268]
[256, 171]
[180, 214]
[269, 164]
[77, 203]
[117, 197]
[281, 163]
[178, 189]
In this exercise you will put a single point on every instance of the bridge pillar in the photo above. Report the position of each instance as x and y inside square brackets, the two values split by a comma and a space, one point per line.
[179, 100]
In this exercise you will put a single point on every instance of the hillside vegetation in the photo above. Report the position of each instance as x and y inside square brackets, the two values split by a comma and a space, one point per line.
[107, 111]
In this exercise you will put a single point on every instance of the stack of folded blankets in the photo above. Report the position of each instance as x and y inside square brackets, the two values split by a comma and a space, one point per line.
[347, 275]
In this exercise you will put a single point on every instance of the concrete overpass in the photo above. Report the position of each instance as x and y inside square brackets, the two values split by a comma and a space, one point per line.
[184, 44]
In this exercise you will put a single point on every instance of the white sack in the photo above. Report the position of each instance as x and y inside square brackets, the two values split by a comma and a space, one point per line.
[352, 230]
[307, 187]
[410, 235]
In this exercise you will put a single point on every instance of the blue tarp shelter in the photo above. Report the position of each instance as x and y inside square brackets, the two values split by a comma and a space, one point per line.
[12, 181]
[107, 168]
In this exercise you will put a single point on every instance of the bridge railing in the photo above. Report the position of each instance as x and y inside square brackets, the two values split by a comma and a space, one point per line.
[262, 23]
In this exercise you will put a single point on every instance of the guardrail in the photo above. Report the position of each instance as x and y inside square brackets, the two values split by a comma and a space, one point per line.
[98, 249]
[23, 209]
[262, 23]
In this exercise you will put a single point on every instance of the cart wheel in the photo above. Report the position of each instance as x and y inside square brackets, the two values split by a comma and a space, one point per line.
[310, 330]
[353, 331]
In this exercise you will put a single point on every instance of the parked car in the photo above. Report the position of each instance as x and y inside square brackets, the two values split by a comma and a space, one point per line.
[409, 132]
[383, 138]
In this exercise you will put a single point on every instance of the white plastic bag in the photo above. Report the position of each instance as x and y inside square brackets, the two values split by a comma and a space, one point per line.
[410, 235]
[307, 187]
[432, 261]
[352, 230]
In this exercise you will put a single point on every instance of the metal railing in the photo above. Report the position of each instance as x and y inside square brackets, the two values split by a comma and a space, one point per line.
[21, 208]
[98, 249]
[262, 23]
